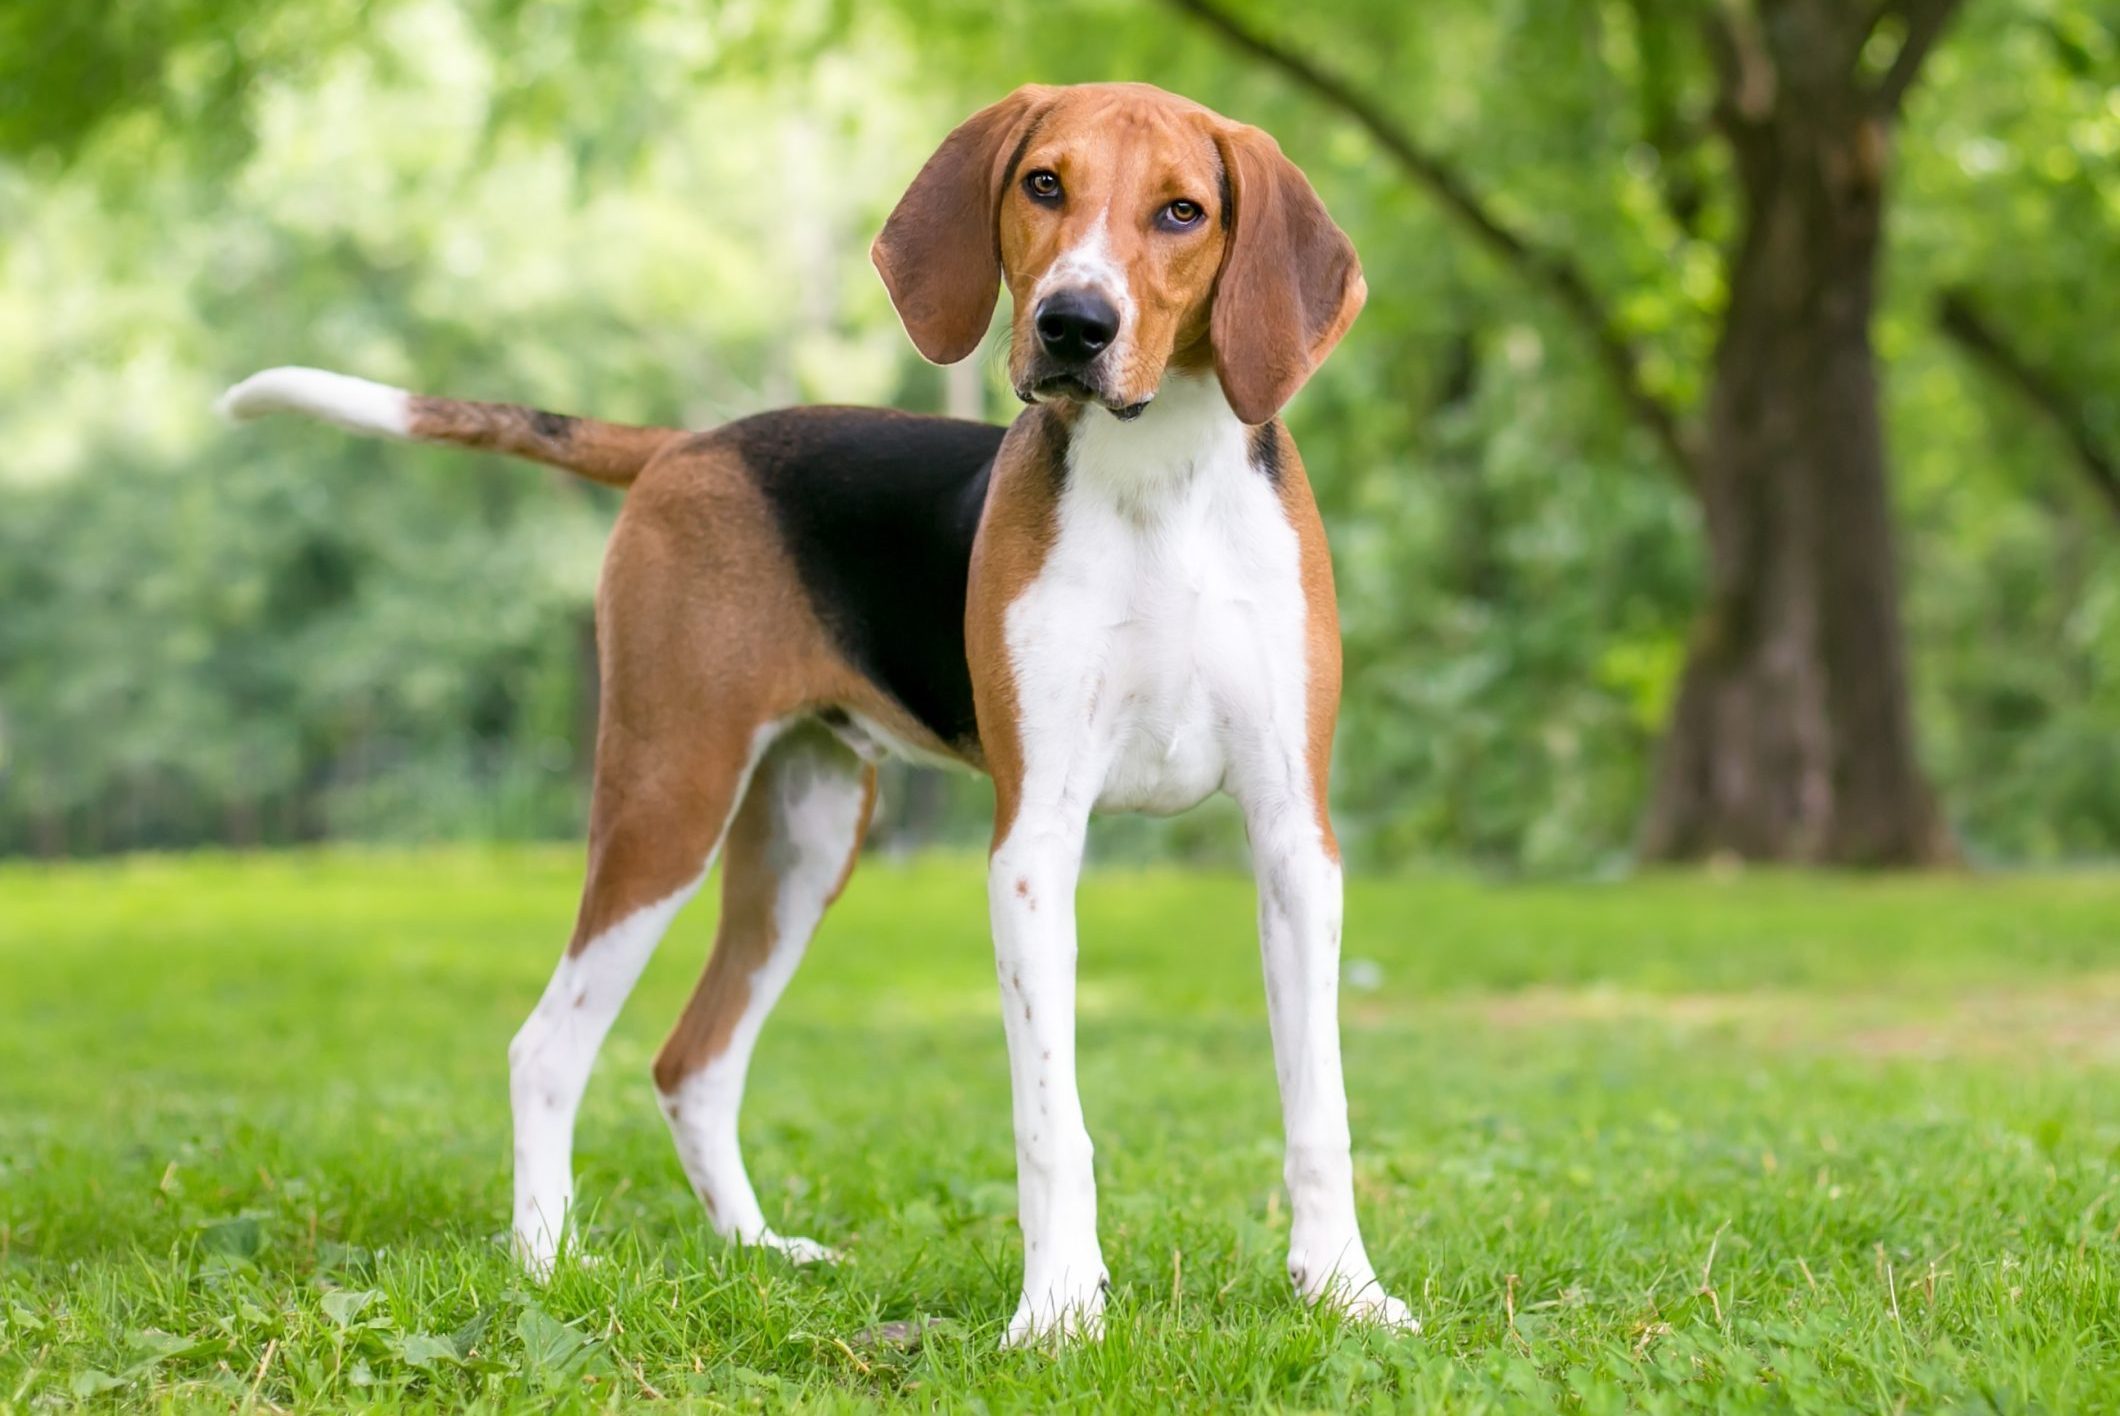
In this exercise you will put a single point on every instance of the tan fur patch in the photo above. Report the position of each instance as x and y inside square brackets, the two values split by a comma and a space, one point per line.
[1321, 639]
[1016, 534]
[747, 933]
[611, 453]
[861, 832]
[705, 637]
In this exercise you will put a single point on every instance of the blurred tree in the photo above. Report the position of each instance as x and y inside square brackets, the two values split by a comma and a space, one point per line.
[658, 211]
[1958, 314]
[1792, 735]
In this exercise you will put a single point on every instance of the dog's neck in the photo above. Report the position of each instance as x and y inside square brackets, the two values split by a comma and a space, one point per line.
[1188, 432]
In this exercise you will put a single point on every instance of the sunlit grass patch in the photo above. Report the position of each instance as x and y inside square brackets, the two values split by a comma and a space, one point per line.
[1769, 1142]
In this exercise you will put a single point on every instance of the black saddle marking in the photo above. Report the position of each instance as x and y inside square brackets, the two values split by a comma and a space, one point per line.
[878, 510]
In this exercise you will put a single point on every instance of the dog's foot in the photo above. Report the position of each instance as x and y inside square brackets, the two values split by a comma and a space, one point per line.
[1380, 1309]
[798, 1249]
[1352, 1288]
[1060, 1309]
[536, 1253]
[538, 1256]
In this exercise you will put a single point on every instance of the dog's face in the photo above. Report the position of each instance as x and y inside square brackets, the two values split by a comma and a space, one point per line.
[1137, 232]
[1111, 232]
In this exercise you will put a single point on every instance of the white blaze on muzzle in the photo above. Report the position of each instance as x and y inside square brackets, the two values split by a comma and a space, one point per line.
[1088, 265]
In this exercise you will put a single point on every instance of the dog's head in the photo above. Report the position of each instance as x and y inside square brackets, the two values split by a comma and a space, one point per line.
[1137, 232]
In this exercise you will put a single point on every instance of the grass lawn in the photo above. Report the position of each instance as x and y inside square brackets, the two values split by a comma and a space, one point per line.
[1767, 1143]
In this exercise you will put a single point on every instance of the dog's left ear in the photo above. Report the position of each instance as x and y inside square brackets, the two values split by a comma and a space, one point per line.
[940, 252]
[1290, 283]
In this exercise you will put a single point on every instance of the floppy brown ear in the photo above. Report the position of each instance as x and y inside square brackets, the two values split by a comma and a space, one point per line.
[1290, 283]
[940, 252]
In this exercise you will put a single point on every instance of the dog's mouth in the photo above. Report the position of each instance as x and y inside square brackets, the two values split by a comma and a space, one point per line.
[1071, 388]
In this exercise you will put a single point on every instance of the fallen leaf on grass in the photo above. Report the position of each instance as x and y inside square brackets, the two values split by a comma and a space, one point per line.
[904, 1334]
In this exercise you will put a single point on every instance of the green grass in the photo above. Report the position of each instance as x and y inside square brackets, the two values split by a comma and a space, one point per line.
[1767, 1143]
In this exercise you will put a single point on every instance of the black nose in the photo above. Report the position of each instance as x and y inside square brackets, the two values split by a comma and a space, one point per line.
[1076, 325]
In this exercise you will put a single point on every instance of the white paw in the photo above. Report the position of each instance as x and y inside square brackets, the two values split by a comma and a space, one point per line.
[537, 1252]
[798, 1249]
[1061, 1310]
[539, 1256]
[1354, 1290]
[1375, 1306]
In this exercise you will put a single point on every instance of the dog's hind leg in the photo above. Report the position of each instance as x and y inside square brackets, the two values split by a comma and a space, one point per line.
[789, 852]
[660, 810]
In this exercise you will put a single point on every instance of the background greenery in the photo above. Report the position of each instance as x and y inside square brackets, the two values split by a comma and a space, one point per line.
[660, 211]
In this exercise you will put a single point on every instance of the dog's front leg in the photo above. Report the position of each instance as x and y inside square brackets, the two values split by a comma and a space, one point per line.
[1031, 894]
[1299, 943]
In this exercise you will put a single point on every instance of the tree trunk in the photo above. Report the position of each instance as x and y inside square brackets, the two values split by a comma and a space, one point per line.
[1791, 738]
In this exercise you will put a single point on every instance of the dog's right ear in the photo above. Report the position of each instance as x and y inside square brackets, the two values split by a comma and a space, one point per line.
[940, 253]
[1290, 283]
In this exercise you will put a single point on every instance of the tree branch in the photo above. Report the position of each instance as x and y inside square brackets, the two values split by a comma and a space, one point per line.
[1959, 318]
[1746, 79]
[1552, 271]
[1926, 21]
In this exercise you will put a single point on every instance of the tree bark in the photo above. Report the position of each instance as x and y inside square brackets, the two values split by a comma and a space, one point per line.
[1792, 737]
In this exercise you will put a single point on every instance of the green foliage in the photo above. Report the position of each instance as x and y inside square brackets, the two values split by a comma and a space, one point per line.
[2016, 580]
[657, 212]
[1760, 1143]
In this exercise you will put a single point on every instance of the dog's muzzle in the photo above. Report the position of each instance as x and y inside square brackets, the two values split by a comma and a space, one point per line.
[1050, 388]
[1074, 328]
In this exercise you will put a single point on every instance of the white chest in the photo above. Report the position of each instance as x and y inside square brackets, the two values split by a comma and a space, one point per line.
[1161, 645]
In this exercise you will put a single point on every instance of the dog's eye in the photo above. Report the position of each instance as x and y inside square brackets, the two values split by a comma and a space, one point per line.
[1043, 185]
[1182, 213]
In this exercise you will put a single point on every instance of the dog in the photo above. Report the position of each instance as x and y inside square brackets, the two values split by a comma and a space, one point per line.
[1122, 602]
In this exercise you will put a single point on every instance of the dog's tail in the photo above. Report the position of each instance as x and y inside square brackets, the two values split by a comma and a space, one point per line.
[611, 453]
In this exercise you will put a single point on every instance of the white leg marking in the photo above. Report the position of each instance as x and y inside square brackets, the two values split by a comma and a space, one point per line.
[355, 404]
[1031, 896]
[1299, 943]
[548, 1069]
[550, 1058]
[818, 790]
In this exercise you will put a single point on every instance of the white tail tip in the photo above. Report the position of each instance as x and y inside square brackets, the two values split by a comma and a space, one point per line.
[354, 404]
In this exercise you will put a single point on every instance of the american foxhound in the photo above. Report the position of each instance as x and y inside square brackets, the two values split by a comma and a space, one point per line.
[1123, 602]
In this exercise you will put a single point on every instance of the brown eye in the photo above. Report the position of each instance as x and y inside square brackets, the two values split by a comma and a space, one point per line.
[1182, 213]
[1043, 185]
